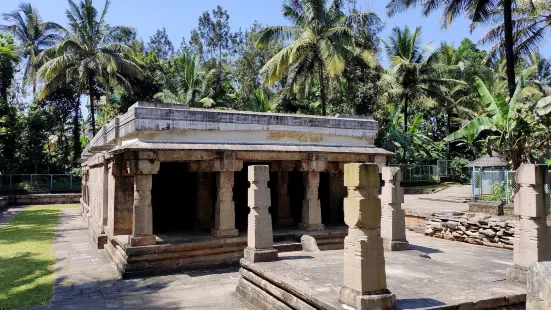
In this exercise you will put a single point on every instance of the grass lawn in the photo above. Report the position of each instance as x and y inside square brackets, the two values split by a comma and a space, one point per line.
[26, 258]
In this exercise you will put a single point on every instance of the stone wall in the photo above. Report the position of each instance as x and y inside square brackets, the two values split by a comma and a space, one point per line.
[481, 229]
[492, 208]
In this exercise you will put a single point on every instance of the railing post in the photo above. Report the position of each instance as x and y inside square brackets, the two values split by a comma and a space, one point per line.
[31, 182]
[507, 186]
[10, 182]
[51, 182]
[70, 182]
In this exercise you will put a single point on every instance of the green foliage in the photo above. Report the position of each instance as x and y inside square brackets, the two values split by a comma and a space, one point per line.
[89, 53]
[322, 42]
[458, 170]
[160, 45]
[508, 123]
[8, 61]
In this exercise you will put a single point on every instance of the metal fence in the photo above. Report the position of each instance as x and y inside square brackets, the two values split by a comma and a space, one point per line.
[416, 173]
[39, 183]
[496, 185]
[444, 168]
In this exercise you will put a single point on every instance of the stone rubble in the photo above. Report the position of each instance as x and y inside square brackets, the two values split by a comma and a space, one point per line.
[477, 228]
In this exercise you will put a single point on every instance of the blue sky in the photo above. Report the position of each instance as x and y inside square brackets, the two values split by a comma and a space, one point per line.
[180, 16]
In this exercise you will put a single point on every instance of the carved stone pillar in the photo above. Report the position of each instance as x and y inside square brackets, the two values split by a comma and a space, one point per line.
[364, 262]
[531, 241]
[224, 214]
[224, 219]
[142, 166]
[393, 222]
[120, 200]
[259, 234]
[203, 201]
[311, 207]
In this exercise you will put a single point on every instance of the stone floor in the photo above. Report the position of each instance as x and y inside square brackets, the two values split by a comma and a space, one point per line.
[86, 279]
[419, 202]
[433, 273]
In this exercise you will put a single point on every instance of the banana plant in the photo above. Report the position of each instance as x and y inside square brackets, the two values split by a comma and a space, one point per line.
[411, 143]
[507, 123]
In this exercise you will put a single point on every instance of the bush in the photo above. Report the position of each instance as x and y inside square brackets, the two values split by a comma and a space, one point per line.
[460, 173]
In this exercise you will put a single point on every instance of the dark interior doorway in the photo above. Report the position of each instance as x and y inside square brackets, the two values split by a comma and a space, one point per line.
[295, 188]
[173, 198]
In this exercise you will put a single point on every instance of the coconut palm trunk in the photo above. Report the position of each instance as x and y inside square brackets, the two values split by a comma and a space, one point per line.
[91, 98]
[509, 53]
[322, 89]
[406, 114]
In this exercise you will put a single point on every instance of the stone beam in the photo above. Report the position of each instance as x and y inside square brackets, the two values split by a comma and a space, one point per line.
[364, 262]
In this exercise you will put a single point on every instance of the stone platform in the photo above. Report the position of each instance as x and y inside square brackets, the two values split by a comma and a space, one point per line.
[433, 273]
[190, 250]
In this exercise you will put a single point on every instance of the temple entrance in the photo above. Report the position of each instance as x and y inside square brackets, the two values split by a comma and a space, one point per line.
[173, 198]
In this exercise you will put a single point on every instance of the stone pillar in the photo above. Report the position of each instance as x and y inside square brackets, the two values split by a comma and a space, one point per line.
[364, 262]
[142, 167]
[393, 222]
[224, 216]
[530, 243]
[311, 207]
[259, 234]
[284, 217]
[203, 201]
[120, 200]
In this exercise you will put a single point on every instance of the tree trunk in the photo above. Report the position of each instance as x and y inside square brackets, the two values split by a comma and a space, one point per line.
[77, 147]
[322, 89]
[449, 125]
[509, 54]
[405, 115]
[91, 98]
[34, 87]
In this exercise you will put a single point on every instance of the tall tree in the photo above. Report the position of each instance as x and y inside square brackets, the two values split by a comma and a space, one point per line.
[478, 11]
[322, 41]
[8, 61]
[89, 53]
[413, 76]
[161, 45]
[214, 34]
[33, 33]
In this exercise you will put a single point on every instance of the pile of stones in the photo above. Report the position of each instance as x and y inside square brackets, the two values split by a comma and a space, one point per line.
[477, 228]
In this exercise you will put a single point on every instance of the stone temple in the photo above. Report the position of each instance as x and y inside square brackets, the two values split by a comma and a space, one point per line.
[165, 186]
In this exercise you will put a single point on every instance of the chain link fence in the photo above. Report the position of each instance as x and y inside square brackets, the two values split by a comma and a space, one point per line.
[496, 185]
[39, 183]
[419, 173]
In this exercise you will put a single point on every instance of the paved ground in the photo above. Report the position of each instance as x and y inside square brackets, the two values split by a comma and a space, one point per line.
[419, 204]
[85, 278]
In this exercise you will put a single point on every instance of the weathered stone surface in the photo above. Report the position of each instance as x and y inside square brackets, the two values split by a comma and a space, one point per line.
[260, 255]
[532, 234]
[224, 215]
[393, 225]
[142, 224]
[311, 208]
[364, 262]
[309, 244]
[538, 296]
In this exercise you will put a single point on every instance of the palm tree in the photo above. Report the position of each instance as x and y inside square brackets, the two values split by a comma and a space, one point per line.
[263, 102]
[89, 53]
[413, 76]
[322, 40]
[531, 26]
[34, 34]
[183, 82]
[479, 12]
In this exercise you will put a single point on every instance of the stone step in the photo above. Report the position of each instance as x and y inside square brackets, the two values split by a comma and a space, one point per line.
[287, 246]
